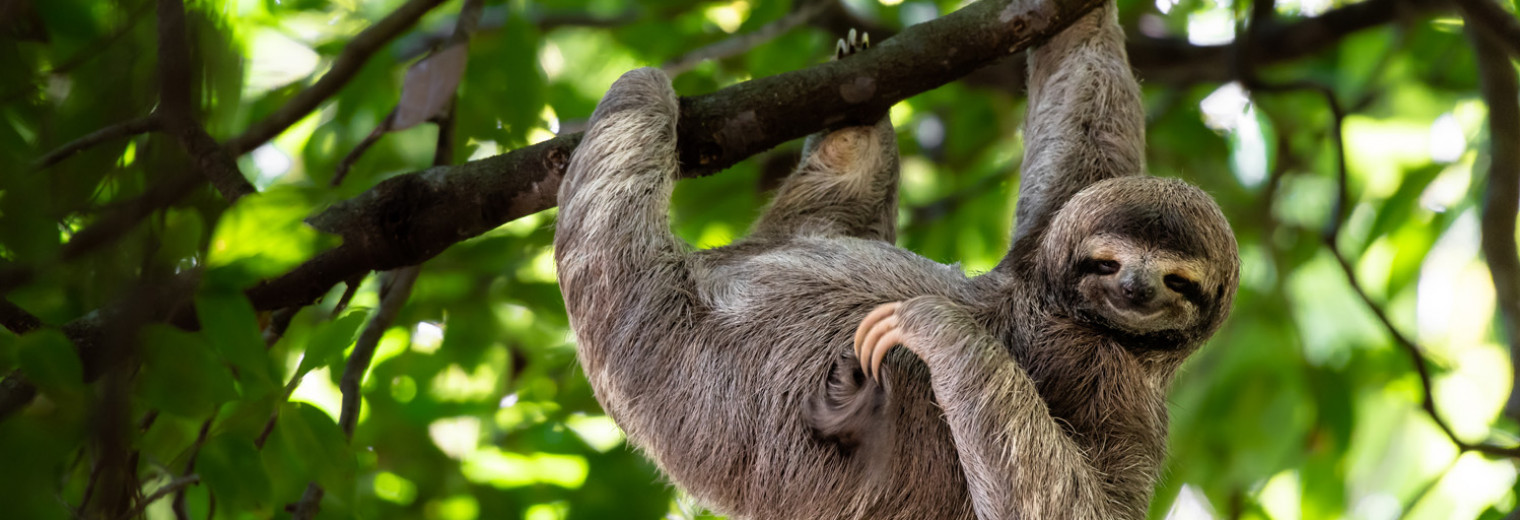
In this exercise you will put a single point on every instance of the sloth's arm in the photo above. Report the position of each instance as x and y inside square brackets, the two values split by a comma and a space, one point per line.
[1017, 461]
[844, 185]
[619, 265]
[1084, 123]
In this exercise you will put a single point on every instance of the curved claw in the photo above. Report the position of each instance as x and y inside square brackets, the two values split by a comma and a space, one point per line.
[876, 335]
[852, 43]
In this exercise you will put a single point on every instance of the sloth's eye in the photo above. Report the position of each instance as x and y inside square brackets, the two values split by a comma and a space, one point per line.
[1101, 267]
[1179, 284]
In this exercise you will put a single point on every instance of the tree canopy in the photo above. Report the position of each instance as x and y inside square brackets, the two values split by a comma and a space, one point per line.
[292, 258]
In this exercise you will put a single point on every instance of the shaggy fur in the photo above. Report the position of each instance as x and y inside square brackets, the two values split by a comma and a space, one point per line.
[1017, 395]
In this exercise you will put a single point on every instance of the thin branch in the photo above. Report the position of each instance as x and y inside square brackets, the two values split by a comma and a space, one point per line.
[141, 125]
[1174, 60]
[174, 486]
[344, 68]
[181, 512]
[119, 218]
[741, 44]
[409, 218]
[494, 18]
[353, 156]
[393, 295]
[1493, 21]
[310, 504]
[1501, 199]
[1331, 237]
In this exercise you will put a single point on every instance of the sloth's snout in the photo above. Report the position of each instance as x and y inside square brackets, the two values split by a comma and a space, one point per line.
[1137, 292]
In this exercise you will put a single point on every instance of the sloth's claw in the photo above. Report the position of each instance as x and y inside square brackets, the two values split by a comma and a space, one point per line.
[876, 335]
[852, 43]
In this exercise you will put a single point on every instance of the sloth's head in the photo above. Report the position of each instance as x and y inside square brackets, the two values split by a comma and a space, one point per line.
[1149, 259]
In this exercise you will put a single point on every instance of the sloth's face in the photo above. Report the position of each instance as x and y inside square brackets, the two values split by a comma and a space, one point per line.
[1139, 289]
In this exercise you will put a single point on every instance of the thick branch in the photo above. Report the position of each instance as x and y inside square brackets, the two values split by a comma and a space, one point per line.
[1501, 201]
[16, 319]
[410, 218]
[344, 68]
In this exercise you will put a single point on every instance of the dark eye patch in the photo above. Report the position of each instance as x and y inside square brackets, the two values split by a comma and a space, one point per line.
[1180, 284]
[1099, 266]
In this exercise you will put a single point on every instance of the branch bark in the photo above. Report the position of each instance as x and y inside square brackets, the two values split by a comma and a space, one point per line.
[1490, 20]
[410, 218]
[176, 105]
[1501, 201]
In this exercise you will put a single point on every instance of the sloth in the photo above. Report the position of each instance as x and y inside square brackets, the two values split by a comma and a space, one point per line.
[762, 377]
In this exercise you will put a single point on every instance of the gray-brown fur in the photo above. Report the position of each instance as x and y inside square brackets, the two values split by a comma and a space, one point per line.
[731, 367]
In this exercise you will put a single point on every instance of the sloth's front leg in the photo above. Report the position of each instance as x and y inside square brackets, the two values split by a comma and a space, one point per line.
[1017, 461]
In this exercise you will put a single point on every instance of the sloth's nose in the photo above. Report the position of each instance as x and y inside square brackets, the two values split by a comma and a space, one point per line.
[1137, 290]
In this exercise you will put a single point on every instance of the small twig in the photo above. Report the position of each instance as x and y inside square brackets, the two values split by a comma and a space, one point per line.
[1331, 236]
[396, 287]
[1338, 117]
[353, 156]
[310, 504]
[344, 68]
[494, 18]
[1493, 21]
[174, 486]
[141, 125]
[351, 287]
[179, 507]
[742, 43]
[279, 322]
[1501, 201]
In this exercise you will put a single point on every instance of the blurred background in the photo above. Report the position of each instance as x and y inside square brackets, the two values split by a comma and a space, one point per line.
[1307, 404]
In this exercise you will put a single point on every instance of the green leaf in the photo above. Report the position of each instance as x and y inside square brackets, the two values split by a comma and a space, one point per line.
[230, 326]
[180, 375]
[329, 340]
[308, 446]
[50, 362]
[230, 466]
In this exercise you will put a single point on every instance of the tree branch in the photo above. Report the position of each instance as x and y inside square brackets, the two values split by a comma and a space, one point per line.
[1173, 60]
[1501, 201]
[172, 487]
[16, 319]
[176, 105]
[1493, 21]
[740, 44]
[410, 218]
[396, 287]
[344, 68]
[1331, 238]
[141, 125]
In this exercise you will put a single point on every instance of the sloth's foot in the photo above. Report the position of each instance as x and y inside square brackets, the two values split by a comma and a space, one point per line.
[850, 45]
[878, 333]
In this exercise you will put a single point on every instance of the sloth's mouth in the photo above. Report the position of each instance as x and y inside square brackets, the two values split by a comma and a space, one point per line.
[1132, 314]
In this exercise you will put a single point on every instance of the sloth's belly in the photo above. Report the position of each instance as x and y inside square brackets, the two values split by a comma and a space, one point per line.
[768, 328]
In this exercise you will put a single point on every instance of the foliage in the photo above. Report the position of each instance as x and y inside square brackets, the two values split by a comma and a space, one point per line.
[474, 407]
